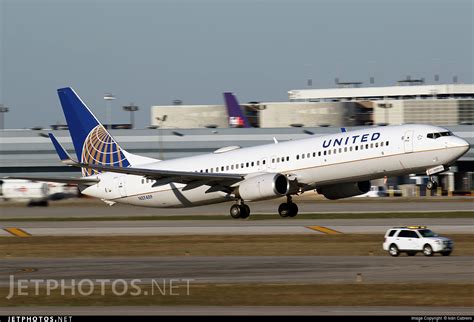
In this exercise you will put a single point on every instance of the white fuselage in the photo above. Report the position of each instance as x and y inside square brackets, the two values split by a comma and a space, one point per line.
[315, 162]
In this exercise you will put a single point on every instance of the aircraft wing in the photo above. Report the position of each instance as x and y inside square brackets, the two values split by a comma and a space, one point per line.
[179, 176]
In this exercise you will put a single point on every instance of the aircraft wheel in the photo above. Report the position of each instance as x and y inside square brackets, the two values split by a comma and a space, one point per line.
[244, 211]
[293, 210]
[284, 210]
[431, 185]
[235, 211]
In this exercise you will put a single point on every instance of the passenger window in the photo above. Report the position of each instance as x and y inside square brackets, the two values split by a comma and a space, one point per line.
[386, 143]
[340, 150]
[247, 165]
[232, 167]
[324, 152]
[308, 155]
[319, 153]
[366, 146]
[350, 148]
[222, 168]
[263, 161]
[287, 158]
[278, 160]
[329, 152]
[258, 162]
[371, 145]
[335, 151]
[227, 167]
[362, 147]
[357, 148]
[297, 157]
[345, 149]
[252, 164]
[377, 145]
[314, 154]
[381, 143]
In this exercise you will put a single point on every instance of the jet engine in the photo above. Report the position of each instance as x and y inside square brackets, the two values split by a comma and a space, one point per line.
[344, 190]
[265, 186]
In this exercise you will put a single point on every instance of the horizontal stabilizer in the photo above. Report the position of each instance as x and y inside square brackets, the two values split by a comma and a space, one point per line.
[63, 155]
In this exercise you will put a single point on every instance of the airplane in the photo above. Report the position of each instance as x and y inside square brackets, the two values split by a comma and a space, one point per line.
[337, 166]
[236, 117]
[33, 192]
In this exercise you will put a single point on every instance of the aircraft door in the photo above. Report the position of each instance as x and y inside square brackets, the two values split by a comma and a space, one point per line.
[408, 141]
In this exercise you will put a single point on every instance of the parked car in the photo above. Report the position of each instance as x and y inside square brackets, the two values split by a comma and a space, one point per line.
[414, 239]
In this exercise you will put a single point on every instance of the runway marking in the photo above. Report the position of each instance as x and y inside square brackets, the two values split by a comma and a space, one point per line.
[17, 232]
[324, 230]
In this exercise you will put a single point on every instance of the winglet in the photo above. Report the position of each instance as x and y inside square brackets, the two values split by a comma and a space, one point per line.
[63, 155]
[343, 129]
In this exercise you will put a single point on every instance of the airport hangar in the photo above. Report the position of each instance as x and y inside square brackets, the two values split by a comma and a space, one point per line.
[309, 112]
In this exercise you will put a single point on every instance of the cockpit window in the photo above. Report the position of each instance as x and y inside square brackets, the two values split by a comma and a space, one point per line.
[439, 134]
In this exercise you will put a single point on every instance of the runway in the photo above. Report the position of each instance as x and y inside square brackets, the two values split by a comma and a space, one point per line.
[232, 227]
[246, 269]
[86, 208]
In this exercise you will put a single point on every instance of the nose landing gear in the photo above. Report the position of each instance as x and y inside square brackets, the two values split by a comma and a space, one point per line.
[432, 183]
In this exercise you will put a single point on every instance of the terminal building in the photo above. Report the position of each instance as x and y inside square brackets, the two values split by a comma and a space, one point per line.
[450, 104]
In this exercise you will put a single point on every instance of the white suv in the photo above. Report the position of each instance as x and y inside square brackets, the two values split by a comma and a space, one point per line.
[413, 239]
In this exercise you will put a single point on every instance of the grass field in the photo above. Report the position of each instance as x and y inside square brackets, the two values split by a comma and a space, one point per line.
[397, 294]
[214, 245]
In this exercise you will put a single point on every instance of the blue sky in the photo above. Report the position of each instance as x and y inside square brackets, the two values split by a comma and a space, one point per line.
[153, 52]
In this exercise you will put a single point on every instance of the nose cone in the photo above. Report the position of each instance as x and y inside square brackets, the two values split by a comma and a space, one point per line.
[461, 145]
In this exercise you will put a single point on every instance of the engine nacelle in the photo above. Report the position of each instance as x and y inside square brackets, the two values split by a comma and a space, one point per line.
[265, 186]
[345, 190]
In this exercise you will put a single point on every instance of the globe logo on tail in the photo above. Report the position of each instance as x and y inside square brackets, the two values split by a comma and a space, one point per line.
[101, 149]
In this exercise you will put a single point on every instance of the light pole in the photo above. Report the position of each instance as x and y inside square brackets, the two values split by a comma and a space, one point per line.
[108, 106]
[161, 120]
[131, 108]
[3, 110]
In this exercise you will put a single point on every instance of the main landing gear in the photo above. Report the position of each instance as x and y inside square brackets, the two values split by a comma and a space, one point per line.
[432, 183]
[288, 209]
[240, 211]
